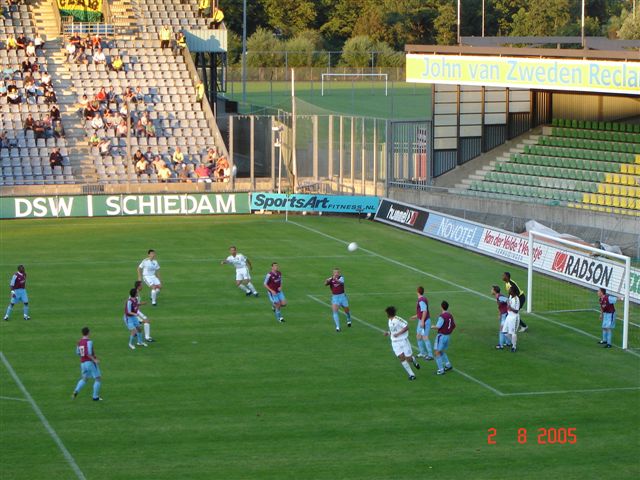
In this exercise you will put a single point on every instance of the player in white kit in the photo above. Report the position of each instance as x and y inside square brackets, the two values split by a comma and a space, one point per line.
[512, 322]
[148, 271]
[399, 334]
[243, 267]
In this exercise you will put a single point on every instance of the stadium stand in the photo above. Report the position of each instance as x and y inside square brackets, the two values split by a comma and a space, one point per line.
[30, 125]
[580, 164]
[156, 83]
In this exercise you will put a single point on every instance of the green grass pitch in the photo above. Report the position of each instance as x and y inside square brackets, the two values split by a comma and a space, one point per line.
[226, 392]
[362, 97]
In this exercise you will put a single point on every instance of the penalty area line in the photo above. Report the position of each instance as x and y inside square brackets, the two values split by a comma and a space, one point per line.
[14, 399]
[28, 398]
[453, 284]
[378, 329]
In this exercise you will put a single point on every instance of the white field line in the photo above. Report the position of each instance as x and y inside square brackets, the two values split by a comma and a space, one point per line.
[366, 294]
[14, 399]
[559, 392]
[43, 419]
[378, 329]
[453, 284]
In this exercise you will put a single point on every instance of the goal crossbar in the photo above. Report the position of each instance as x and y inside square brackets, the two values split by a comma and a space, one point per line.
[382, 75]
[578, 248]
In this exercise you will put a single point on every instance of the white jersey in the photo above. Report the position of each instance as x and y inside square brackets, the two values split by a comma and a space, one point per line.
[514, 307]
[396, 325]
[149, 267]
[239, 261]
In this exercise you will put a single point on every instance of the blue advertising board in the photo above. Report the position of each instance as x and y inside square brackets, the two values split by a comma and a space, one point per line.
[314, 203]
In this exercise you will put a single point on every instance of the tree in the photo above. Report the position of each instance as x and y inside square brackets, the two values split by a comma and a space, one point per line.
[299, 52]
[290, 17]
[357, 51]
[630, 29]
[264, 49]
[499, 15]
[542, 18]
[445, 24]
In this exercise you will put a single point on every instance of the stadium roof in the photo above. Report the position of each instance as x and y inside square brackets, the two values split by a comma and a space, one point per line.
[525, 51]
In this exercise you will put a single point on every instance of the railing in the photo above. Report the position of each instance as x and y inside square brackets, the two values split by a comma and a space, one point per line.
[56, 14]
[101, 28]
[107, 17]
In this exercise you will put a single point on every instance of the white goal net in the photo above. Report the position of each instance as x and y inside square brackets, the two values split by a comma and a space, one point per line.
[563, 282]
[353, 81]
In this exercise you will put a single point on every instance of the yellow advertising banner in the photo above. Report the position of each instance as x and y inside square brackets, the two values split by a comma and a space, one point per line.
[547, 74]
[81, 10]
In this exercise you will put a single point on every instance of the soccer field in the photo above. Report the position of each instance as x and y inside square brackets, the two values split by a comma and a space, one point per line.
[227, 392]
[363, 97]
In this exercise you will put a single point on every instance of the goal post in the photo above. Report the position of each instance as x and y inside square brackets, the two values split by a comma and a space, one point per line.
[582, 265]
[355, 75]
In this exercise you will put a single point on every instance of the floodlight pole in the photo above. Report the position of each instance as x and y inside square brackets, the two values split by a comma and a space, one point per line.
[582, 24]
[483, 17]
[244, 52]
[459, 22]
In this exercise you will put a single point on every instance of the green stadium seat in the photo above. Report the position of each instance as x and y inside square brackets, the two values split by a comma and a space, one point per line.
[574, 123]
[607, 126]
[581, 124]
[554, 122]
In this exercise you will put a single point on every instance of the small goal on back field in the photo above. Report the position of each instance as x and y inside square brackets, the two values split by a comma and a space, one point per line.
[326, 77]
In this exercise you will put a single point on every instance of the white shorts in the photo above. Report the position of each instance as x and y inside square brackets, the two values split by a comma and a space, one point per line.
[151, 280]
[242, 274]
[402, 347]
[511, 324]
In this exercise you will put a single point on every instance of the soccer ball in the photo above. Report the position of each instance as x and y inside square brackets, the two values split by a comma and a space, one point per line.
[353, 246]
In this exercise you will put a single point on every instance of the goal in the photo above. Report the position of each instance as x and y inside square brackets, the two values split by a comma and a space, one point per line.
[326, 77]
[578, 272]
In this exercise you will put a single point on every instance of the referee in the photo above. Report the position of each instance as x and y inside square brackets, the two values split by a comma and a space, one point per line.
[508, 283]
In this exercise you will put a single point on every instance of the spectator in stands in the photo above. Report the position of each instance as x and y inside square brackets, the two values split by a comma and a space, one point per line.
[71, 51]
[112, 95]
[39, 130]
[203, 8]
[141, 166]
[150, 129]
[108, 119]
[158, 163]
[28, 123]
[122, 129]
[31, 90]
[104, 147]
[13, 95]
[129, 95]
[199, 92]
[48, 126]
[55, 159]
[21, 41]
[80, 57]
[203, 174]
[101, 96]
[3, 89]
[30, 50]
[149, 155]
[50, 96]
[165, 36]
[97, 123]
[212, 156]
[55, 113]
[94, 140]
[181, 41]
[83, 106]
[99, 57]
[178, 157]
[58, 128]
[223, 171]
[28, 80]
[38, 42]
[11, 42]
[75, 39]
[45, 79]
[26, 66]
[4, 140]
[137, 156]
[116, 64]
[182, 172]
[164, 174]
[96, 42]
[138, 95]
[217, 16]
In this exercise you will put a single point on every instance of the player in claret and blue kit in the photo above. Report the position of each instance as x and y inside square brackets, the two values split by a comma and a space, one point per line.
[88, 366]
[607, 316]
[503, 310]
[338, 298]
[424, 325]
[445, 327]
[18, 285]
[131, 319]
[273, 284]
